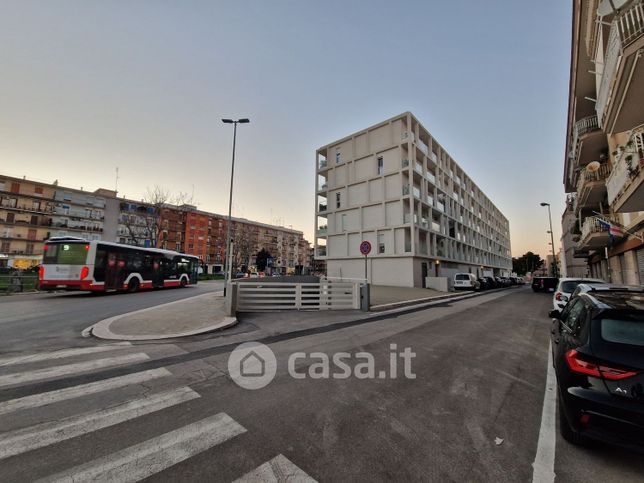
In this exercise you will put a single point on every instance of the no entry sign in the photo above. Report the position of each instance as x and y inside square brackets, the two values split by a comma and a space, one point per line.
[365, 248]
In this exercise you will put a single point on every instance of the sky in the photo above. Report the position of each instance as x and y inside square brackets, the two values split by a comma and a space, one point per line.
[87, 86]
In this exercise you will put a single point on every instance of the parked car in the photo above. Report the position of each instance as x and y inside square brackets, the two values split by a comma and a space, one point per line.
[483, 282]
[544, 284]
[521, 281]
[566, 287]
[491, 282]
[240, 275]
[513, 280]
[598, 356]
[466, 281]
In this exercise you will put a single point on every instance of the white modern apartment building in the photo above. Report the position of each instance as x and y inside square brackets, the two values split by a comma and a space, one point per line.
[394, 186]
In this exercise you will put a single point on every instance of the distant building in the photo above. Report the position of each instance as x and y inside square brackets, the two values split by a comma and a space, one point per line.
[571, 265]
[31, 212]
[396, 187]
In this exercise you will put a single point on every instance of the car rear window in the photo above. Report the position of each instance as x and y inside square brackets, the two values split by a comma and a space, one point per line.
[462, 276]
[570, 286]
[626, 330]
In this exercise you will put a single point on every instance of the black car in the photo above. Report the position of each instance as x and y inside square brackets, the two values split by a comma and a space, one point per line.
[544, 284]
[491, 282]
[484, 284]
[598, 356]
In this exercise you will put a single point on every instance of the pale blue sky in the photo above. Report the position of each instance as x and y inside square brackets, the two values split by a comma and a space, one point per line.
[90, 85]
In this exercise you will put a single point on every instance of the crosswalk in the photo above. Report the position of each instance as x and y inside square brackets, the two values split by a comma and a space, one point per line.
[39, 422]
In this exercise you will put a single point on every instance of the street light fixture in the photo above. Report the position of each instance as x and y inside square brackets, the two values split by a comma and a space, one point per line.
[552, 240]
[227, 260]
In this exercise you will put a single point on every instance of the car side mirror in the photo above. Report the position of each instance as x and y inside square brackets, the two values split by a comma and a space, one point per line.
[555, 314]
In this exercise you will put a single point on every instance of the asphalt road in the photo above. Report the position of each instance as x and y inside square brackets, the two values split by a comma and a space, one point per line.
[472, 412]
[47, 321]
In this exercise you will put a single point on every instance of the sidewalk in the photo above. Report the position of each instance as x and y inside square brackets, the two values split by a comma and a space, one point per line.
[191, 316]
[384, 297]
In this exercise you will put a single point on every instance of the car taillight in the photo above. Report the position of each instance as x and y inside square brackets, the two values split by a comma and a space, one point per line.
[84, 272]
[558, 296]
[41, 272]
[591, 369]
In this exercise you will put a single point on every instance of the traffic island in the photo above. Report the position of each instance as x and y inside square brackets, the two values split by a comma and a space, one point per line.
[182, 318]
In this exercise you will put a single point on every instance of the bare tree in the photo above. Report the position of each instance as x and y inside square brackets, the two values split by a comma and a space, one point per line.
[145, 221]
[243, 246]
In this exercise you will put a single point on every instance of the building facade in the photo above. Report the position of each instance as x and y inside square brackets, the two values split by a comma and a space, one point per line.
[605, 139]
[571, 266]
[394, 186]
[32, 212]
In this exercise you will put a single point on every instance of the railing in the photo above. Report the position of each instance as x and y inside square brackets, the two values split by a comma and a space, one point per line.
[430, 200]
[321, 252]
[405, 190]
[589, 176]
[625, 30]
[433, 157]
[440, 206]
[436, 226]
[416, 192]
[323, 163]
[430, 177]
[591, 225]
[321, 207]
[322, 230]
[405, 135]
[18, 282]
[418, 168]
[323, 187]
[405, 163]
[422, 146]
[626, 170]
[325, 295]
[581, 127]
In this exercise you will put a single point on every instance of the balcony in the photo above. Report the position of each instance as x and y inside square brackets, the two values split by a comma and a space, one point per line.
[624, 185]
[321, 252]
[322, 230]
[430, 177]
[591, 187]
[322, 164]
[405, 163]
[416, 192]
[620, 91]
[322, 208]
[440, 206]
[418, 168]
[588, 141]
[322, 187]
[594, 235]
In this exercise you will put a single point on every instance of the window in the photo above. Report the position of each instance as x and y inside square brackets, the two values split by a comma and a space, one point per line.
[338, 200]
[338, 158]
[15, 187]
[628, 329]
[4, 247]
[381, 165]
[343, 222]
[381, 242]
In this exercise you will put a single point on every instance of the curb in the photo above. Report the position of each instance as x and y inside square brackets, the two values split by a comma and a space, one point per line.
[406, 303]
[102, 330]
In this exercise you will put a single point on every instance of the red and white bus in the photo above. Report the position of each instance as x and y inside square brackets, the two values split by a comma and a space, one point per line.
[76, 264]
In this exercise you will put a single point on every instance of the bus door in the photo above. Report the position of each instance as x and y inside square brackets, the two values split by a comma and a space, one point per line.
[111, 271]
[157, 272]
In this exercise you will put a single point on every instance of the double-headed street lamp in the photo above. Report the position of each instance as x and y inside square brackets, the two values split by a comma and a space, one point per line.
[552, 239]
[227, 259]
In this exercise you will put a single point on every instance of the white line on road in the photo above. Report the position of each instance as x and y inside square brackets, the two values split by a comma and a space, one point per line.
[49, 372]
[40, 435]
[51, 397]
[279, 468]
[544, 461]
[61, 354]
[154, 455]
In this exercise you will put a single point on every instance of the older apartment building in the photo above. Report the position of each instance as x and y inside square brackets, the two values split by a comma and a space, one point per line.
[31, 212]
[393, 185]
[605, 140]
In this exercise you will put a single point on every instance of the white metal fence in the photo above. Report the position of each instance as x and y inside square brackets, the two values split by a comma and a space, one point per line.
[326, 295]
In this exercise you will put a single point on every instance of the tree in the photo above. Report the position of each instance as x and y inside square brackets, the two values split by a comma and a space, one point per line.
[143, 222]
[528, 262]
[261, 260]
[243, 247]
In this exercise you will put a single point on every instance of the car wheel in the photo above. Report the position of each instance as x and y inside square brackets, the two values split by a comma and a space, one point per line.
[183, 282]
[133, 285]
[565, 429]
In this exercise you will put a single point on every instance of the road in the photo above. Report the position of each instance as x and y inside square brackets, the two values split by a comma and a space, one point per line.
[48, 321]
[473, 411]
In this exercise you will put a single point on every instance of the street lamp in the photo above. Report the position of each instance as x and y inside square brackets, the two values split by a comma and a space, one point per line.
[227, 264]
[552, 240]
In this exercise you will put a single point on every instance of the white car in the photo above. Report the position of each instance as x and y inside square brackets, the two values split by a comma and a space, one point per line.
[467, 281]
[566, 287]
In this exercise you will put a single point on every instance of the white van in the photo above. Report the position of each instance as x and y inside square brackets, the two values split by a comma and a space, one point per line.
[466, 281]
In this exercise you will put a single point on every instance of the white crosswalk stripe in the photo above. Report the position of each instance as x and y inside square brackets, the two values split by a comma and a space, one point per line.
[41, 435]
[68, 369]
[147, 458]
[58, 395]
[63, 353]
[279, 469]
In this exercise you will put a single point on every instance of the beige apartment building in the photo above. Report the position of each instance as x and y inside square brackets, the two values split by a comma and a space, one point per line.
[394, 186]
[605, 139]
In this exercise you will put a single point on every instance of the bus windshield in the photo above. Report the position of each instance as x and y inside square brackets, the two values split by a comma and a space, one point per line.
[65, 254]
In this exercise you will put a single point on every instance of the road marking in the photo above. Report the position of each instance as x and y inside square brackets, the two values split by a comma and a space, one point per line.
[279, 468]
[145, 459]
[57, 371]
[45, 434]
[544, 461]
[58, 395]
[61, 354]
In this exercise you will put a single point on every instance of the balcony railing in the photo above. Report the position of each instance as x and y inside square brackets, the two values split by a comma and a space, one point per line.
[416, 192]
[440, 206]
[323, 187]
[422, 146]
[418, 168]
[627, 165]
[405, 163]
[591, 225]
[430, 200]
[322, 230]
[321, 252]
[581, 127]
[405, 190]
[430, 177]
[433, 157]
[625, 30]
[321, 207]
[323, 163]
[587, 176]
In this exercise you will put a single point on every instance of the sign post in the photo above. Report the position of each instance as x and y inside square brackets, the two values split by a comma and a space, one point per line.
[365, 249]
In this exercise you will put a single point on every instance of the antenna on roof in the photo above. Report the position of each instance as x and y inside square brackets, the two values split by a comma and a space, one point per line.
[116, 181]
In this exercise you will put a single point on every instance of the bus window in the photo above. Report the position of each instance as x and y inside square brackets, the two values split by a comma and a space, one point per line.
[66, 254]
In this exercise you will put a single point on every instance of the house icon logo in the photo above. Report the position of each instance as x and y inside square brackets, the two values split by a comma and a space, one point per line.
[252, 365]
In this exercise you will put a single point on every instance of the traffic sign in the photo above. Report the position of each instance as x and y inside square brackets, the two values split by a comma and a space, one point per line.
[365, 248]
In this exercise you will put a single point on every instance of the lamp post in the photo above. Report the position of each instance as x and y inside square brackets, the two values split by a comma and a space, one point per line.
[227, 258]
[552, 239]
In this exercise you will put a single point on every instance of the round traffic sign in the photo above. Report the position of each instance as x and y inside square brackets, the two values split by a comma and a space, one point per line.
[365, 248]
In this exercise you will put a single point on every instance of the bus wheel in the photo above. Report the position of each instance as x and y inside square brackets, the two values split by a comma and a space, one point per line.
[133, 285]
[183, 282]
